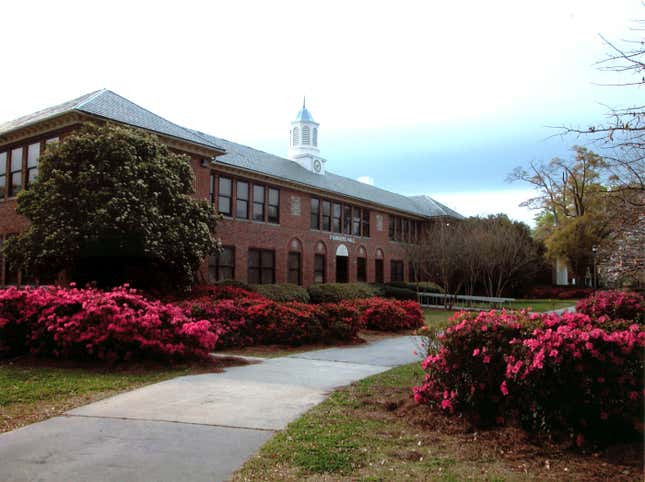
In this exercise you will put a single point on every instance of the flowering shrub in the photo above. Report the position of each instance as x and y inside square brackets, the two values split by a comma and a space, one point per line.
[222, 292]
[571, 373]
[389, 315]
[88, 323]
[579, 375]
[254, 321]
[561, 292]
[613, 304]
[468, 371]
[340, 321]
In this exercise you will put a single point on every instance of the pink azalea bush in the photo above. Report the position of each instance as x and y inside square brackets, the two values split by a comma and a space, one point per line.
[255, 321]
[384, 314]
[573, 373]
[92, 324]
[613, 304]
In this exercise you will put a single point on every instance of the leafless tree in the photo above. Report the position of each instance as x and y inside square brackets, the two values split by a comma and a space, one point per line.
[622, 135]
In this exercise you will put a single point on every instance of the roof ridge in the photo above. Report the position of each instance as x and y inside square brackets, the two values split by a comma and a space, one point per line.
[92, 96]
[144, 109]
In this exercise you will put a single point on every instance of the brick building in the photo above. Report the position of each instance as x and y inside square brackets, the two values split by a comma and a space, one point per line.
[285, 220]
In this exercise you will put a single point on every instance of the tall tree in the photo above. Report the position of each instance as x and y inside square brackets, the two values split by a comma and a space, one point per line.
[112, 204]
[573, 205]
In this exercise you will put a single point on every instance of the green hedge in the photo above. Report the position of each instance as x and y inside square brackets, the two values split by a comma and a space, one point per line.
[335, 292]
[283, 292]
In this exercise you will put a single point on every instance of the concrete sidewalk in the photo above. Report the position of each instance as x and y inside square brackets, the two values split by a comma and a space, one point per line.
[201, 427]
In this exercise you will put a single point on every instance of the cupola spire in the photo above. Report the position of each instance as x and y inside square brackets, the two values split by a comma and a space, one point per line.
[303, 141]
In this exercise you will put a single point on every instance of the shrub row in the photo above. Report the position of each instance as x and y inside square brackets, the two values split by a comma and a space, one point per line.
[91, 324]
[122, 324]
[283, 292]
[575, 373]
[252, 321]
[560, 292]
[335, 292]
[245, 321]
[614, 305]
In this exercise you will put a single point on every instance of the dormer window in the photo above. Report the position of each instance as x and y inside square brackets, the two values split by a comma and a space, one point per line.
[306, 138]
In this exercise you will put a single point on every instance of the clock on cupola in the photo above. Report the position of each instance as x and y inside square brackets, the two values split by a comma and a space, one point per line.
[303, 142]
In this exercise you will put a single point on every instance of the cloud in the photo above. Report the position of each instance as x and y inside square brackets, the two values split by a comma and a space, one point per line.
[366, 180]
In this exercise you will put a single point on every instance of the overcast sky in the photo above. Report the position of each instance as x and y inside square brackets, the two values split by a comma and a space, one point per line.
[417, 97]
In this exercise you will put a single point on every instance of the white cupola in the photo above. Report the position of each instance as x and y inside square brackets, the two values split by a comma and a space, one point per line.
[303, 142]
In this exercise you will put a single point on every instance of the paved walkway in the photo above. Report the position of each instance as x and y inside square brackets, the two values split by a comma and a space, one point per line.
[200, 427]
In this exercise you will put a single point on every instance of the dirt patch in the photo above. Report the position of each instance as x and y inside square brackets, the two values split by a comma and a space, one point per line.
[509, 447]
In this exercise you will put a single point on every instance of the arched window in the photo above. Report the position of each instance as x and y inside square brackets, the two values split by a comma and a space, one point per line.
[315, 136]
[295, 136]
[306, 138]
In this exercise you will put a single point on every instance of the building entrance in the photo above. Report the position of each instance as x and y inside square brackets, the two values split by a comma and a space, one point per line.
[342, 269]
[342, 264]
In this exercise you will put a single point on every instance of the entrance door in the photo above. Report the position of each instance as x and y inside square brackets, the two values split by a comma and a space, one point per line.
[342, 269]
[342, 264]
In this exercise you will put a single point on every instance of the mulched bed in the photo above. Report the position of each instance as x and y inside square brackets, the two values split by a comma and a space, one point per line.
[510, 447]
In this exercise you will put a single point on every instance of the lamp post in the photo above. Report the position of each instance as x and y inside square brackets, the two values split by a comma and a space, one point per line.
[594, 278]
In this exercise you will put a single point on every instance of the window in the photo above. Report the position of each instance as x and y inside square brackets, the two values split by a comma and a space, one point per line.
[396, 270]
[258, 203]
[361, 269]
[356, 222]
[366, 223]
[315, 136]
[261, 266]
[315, 213]
[3, 173]
[15, 175]
[294, 276]
[211, 190]
[390, 227]
[224, 195]
[222, 266]
[33, 153]
[319, 268]
[306, 139]
[326, 216]
[295, 136]
[51, 141]
[336, 215]
[274, 206]
[378, 271]
[242, 200]
[347, 219]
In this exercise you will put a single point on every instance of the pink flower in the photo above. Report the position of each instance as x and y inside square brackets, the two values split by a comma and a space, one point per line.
[486, 359]
[504, 388]
[476, 352]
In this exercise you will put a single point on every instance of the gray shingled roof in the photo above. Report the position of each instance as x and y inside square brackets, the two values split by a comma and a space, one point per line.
[105, 103]
[250, 159]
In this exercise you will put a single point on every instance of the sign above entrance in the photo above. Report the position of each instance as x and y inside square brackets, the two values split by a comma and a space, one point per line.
[344, 239]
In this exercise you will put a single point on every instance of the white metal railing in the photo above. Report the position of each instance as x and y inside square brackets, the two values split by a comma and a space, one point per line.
[461, 302]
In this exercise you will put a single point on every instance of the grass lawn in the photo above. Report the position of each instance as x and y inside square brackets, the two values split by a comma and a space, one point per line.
[373, 431]
[33, 390]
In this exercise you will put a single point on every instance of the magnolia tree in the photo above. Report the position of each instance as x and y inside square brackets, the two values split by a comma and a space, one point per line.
[112, 204]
